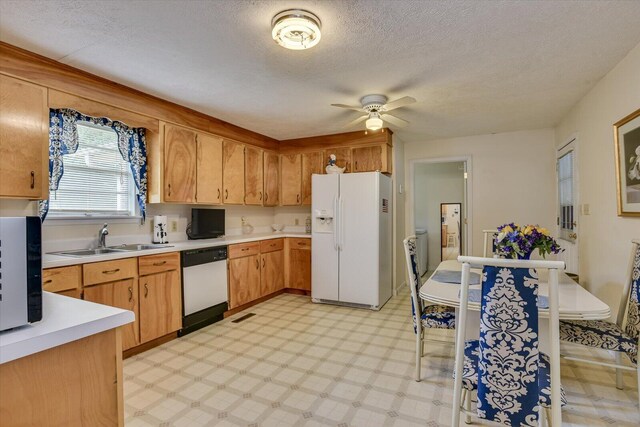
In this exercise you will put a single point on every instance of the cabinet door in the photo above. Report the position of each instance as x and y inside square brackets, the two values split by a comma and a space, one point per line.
[209, 169]
[244, 280]
[311, 163]
[291, 175]
[233, 172]
[160, 305]
[271, 179]
[343, 157]
[272, 278]
[24, 139]
[367, 159]
[253, 176]
[300, 269]
[122, 294]
[179, 164]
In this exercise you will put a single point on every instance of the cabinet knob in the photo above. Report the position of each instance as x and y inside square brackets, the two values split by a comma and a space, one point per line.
[257, 264]
[297, 198]
[33, 179]
[226, 194]
[262, 262]
[146, 290]
[115, 270]
[260, 195]
[169, 185]
[130, 293]
[266, 196]
[218, 194]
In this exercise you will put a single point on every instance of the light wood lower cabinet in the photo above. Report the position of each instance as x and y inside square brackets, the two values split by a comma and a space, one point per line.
[272, 274]
[24, 139]
[160, 305]
[299, 264]
[244, 280]
[63, 280]
[122, 294]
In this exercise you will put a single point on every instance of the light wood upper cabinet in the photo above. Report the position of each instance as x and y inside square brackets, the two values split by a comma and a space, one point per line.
[374, 158]
[272, 275]
[343, 157]
[209, 169]
[122, 294]
[253, 176]
[244, 280]
[233, 172]
[291, 176]
[24, 139]
[179, 164]
[160, 305]
[271, 179]
[311, 163]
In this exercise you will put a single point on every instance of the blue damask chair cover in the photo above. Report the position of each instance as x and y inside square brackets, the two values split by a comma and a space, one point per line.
[511, 376]
[609, 335]
[430, 316]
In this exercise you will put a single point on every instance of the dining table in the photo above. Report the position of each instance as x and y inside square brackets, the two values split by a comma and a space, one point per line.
[575, 302]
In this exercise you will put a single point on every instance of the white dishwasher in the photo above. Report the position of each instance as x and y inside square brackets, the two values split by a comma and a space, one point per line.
[204, 287]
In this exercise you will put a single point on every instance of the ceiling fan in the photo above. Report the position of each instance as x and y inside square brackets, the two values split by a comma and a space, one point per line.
[376, 107]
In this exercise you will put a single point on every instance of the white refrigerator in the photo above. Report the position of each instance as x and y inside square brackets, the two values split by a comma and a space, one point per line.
[351, 247]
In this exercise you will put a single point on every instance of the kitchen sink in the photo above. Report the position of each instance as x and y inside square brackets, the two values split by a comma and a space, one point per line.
[109, 250]
[87, 252]
[138, 247]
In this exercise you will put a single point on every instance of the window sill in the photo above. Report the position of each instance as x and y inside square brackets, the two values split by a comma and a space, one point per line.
[93, 219]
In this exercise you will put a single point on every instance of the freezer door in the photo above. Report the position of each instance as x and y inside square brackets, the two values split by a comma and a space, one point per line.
[359, 238]
[324, 242]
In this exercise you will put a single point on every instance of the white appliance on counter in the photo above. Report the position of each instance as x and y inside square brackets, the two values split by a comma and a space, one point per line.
[160, 229]
[351, 247]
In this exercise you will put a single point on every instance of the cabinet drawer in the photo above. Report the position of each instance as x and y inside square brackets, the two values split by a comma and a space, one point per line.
[243, 249]
[110, 271]
[271, 245]
[300, 243]
[61, 279]
[158, 263]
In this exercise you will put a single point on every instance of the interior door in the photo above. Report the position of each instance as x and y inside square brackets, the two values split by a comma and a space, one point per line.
[567, 220]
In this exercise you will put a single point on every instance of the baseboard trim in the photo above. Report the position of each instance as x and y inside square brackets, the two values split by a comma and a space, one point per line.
[149, 345]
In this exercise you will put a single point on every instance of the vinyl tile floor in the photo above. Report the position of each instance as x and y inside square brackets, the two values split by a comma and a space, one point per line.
[296, 363]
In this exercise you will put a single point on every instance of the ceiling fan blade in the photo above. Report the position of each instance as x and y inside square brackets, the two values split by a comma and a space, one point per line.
[350, 107]
[394, 120]
[401, 102]
[356, 121]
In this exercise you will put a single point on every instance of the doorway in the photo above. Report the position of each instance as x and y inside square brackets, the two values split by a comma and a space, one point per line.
[567, 202]
[450, 231]
[437, 182]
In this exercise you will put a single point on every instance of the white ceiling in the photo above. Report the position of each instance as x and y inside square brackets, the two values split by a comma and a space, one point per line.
[475, 67]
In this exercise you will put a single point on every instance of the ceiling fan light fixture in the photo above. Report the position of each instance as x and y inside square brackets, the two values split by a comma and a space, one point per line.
[296, 29]
[374, 123]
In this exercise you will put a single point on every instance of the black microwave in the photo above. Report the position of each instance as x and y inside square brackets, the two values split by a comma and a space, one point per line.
[20, 271]
[206, 224]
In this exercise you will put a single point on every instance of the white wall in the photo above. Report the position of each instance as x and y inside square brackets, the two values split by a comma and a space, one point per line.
[604, 237]
[512, 177]
[435, 183]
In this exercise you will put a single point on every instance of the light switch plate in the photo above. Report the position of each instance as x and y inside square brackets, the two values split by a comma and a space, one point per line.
[585, 209]
[174, 226]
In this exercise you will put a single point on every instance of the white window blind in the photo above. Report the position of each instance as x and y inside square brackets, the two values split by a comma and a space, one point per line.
[96, 180]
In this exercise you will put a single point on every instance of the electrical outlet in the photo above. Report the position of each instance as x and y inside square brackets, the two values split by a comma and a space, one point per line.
[151, 224]
[174, 226]
[586, 209]
[297, 221]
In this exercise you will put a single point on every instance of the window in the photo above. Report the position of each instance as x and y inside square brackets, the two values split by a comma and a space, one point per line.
[96, 180]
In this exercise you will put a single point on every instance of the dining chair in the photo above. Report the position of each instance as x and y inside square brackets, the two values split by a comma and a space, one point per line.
[424, 316]
[488, 237]
[513, 380]
[620, 337]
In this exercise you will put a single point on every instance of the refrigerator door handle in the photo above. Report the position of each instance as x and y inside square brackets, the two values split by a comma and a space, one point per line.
[341, 203]
[335, 223]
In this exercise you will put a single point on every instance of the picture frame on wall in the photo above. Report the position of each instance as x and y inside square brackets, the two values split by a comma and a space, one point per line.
[627, 144]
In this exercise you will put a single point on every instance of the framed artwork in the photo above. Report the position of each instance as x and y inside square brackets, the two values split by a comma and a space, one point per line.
[627, 141]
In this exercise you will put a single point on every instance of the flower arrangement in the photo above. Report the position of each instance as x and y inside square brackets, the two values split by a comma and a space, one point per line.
[514, 241]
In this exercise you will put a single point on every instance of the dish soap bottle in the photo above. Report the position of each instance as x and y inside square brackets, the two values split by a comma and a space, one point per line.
[307, 225]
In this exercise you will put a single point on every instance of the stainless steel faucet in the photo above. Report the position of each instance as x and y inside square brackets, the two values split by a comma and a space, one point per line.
[102, 236]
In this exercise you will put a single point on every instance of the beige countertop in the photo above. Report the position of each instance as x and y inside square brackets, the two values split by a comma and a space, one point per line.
[51, 261]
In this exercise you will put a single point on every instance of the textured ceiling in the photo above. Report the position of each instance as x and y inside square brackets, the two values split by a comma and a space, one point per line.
[475, 67]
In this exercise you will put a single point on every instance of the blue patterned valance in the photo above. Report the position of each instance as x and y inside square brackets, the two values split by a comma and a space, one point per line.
[63, 139]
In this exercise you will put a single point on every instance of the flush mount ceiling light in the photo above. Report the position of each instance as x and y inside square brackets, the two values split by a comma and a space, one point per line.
[296, 29]
[374, 122]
